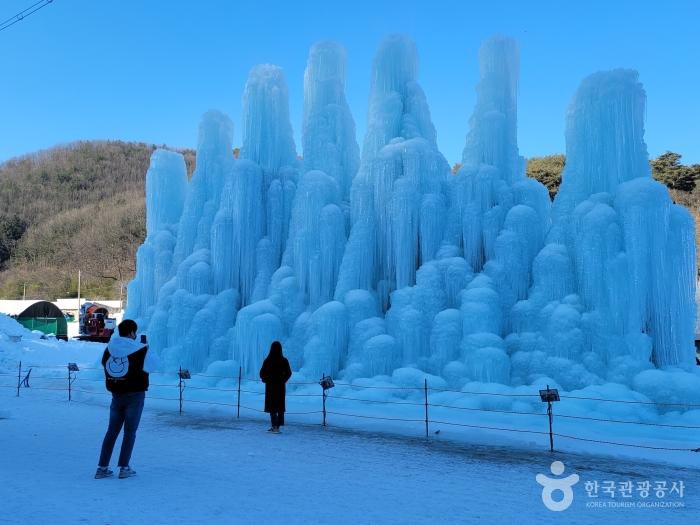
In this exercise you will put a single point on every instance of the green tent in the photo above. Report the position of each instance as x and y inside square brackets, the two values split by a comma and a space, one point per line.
[45, 317]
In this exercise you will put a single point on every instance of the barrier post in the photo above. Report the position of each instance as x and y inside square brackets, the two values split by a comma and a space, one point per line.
[548, 396]
[323, 390]
[326, 383]
[238, 409]
[426, 407]
[182, 375]
[72, 376]
[179, 375]
[550, 416]
[19, 377]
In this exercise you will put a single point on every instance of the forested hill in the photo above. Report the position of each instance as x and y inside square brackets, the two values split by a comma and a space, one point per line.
[78, 206]
[81, 206]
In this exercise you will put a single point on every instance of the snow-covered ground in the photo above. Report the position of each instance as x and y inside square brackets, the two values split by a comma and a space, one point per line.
[213, 469]
[206, 466]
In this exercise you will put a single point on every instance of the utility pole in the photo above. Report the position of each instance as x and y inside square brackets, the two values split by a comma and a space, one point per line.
[78, 294]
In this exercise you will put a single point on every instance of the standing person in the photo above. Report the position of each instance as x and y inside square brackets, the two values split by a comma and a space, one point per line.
[127, 363]
[275, 373]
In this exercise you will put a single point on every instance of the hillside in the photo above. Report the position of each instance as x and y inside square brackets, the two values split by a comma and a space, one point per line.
[69, 208]
[81, 207]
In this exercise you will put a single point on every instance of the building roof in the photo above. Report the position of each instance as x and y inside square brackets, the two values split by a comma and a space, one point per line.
[15, 307]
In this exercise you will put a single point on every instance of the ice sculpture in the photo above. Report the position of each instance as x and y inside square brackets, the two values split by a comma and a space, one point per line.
[362, 265]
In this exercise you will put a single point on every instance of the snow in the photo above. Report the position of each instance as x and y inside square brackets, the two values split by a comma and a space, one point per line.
[398, 392]
[386, 474]
[384, 468]
[367, 264]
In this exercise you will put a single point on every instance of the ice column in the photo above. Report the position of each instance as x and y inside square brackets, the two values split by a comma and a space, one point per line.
[398, 192]
[166, 185]
[268, 141]
[631, 247]
[328, 133]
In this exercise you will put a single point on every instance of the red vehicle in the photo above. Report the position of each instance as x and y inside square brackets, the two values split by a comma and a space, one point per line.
[95, 323]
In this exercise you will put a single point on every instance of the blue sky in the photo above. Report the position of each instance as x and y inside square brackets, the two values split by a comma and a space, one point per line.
[147, 70]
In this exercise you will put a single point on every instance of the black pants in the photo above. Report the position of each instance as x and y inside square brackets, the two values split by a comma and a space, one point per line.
[277, 419]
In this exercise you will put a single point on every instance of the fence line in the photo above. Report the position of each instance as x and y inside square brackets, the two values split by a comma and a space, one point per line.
[182, 386]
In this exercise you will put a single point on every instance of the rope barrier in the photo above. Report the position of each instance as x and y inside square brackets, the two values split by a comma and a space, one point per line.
[491, 410]
[629, 422]
[628, 444]
[378, 387]
[210, 403]
[375, 417]
[375, 400]
[253, 409]
[489, 428]
[164, 398]
[658, 403]
[47, 388]
[475, 393]
[90, 392]
[185, 387]
[254, 392]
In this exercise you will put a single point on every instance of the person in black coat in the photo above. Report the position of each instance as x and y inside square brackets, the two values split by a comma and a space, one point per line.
[275, 373]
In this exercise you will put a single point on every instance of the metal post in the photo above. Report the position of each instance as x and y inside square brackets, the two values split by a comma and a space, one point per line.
[19, 377]
[324, 403]
[549, 416]
[426, 408]
[69, 385]
[179, 375]
[78, 294]
[238, 412]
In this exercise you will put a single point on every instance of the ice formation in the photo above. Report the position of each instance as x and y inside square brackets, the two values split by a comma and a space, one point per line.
[368, 265]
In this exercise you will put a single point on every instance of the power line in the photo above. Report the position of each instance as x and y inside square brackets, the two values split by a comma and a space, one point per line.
[20, 13]
[24, 14]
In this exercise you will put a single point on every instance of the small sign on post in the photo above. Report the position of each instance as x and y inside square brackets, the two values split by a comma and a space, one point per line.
[182, 375]
[550, 395]
[72, 368]
[326, 383]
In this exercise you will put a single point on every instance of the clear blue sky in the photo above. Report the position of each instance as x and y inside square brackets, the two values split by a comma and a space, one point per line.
[147, 70]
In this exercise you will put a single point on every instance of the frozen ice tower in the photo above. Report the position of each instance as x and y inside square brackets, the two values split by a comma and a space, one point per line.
[630, 246]
[166, 184]
[328, 131]
[384, 265]
[398, 201]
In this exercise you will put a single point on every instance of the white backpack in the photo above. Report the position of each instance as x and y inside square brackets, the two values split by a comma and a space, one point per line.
[117, 367]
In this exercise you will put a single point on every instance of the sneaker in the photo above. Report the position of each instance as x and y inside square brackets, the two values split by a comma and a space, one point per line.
[103, 472]
[270, 429]
[276, 430]
[126, 472]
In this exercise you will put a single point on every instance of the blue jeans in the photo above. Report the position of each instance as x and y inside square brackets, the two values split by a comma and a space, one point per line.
[125, 411]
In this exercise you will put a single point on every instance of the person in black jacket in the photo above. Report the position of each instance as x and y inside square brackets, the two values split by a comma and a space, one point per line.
[126, 364]
[275, 373]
